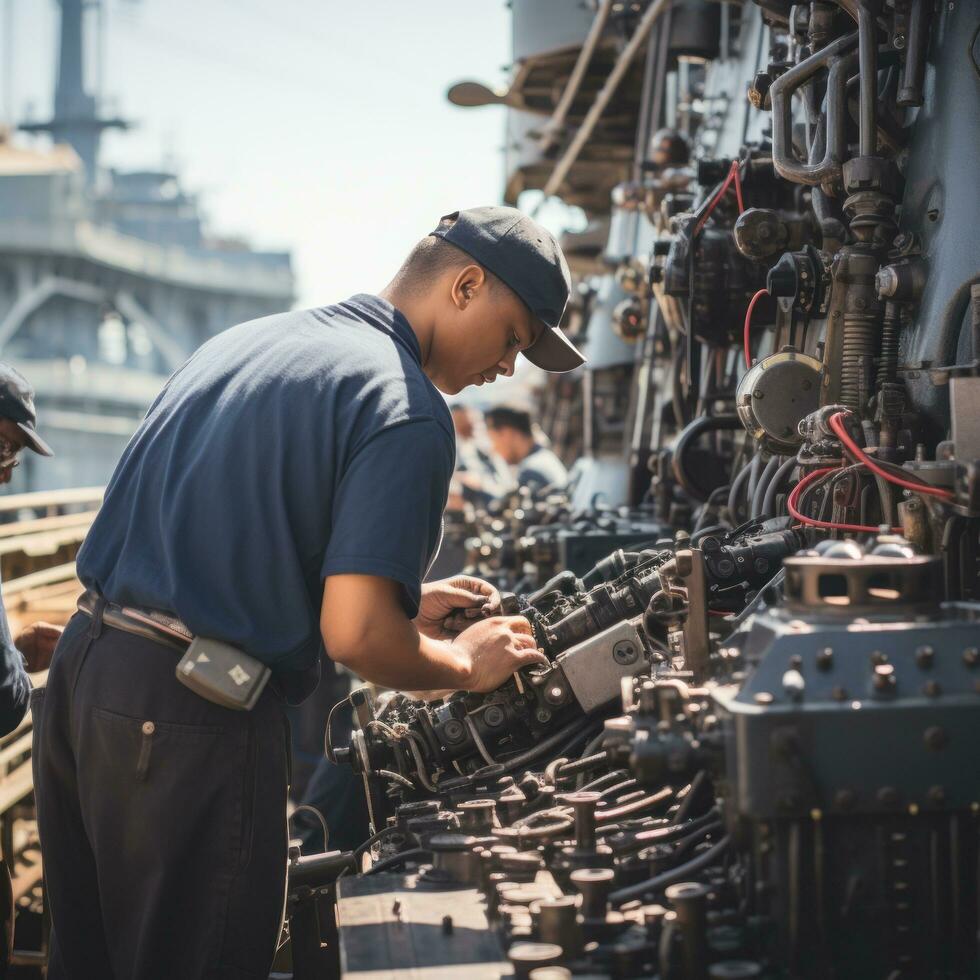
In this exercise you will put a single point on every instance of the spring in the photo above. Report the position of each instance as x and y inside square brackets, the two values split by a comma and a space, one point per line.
[859, 343]
[888, 362]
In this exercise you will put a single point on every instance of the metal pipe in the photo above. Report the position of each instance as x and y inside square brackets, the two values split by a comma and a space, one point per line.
[868, 61]
[836, 57]
[914, 66]
[557, 120]
[605, 95]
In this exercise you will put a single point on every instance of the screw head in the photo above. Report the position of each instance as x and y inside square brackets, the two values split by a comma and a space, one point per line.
[625, 653]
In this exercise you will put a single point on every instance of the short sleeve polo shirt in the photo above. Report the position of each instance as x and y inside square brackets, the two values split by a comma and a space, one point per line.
[285, 450]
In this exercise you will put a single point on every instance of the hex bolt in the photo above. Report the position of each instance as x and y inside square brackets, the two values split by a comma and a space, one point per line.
[447, 925]
[925, 656]
[595, 884]
[584, 805]
[971, 656]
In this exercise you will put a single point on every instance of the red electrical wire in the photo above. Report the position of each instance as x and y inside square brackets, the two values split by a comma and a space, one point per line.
[813, 522]
[748, 325]
[733, 175]
[738, 186]
[836, 423]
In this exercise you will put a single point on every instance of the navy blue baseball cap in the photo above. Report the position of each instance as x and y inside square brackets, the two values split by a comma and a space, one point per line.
[527, 259]
[17, 404]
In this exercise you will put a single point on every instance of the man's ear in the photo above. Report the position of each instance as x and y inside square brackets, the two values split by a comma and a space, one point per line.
[467, 284]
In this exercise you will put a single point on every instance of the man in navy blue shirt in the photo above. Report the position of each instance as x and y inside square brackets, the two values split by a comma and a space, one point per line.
[283, 495]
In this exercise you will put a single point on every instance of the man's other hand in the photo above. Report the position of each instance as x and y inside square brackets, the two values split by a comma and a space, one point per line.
[447, 607]
[37, 642]
[495, 648]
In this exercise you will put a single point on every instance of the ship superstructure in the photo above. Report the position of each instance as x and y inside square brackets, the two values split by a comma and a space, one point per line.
[108, 279]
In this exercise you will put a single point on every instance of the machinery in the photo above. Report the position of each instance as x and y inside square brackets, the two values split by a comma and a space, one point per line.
[753, 752]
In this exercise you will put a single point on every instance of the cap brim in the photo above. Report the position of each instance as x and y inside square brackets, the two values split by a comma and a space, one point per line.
[553, 351]
[34, 441]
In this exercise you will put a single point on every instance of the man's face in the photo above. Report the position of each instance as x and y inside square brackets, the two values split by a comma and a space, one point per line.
[507, 443]
[12, 442]
[479, 335]
[462, 422]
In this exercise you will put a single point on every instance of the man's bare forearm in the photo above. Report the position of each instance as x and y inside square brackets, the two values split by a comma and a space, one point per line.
[404, 659]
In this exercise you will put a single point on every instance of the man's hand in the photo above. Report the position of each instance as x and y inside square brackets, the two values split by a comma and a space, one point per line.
[37, 642]
[449, 606]
[364, 627]
[495, 648]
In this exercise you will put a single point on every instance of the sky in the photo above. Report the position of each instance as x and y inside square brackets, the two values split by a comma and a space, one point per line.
[319, 126]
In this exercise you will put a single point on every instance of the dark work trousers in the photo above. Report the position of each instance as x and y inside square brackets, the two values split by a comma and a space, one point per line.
[162, 816]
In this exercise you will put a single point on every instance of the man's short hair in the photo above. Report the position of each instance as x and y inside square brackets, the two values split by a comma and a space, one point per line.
[506, 417]
[433, 257]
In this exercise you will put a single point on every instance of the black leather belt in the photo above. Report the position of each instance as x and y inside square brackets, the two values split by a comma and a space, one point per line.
[148, 623]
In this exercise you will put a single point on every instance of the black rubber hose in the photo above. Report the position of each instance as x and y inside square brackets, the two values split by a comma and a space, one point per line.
[769, 501]
[396, 859]
[660, 882]
[689, 435]
[576, 728]
[736, 490]
[762, 486]
[754, 472]
[669, 834]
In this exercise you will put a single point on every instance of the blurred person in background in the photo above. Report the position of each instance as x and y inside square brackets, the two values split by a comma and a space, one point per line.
[480, 475]
[31, 651]
[514, 440]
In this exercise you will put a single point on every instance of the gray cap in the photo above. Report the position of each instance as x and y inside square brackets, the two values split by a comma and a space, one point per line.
[17, 404]
[527, 259]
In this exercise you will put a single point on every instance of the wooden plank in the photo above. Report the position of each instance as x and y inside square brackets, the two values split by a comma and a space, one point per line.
[391, 928]
[36, 524]
[16, 749]
[37, 543]
[46, 576]
[51, 498]
[15, 786]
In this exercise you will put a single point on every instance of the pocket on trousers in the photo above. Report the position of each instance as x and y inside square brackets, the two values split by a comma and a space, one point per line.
[184, 782]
